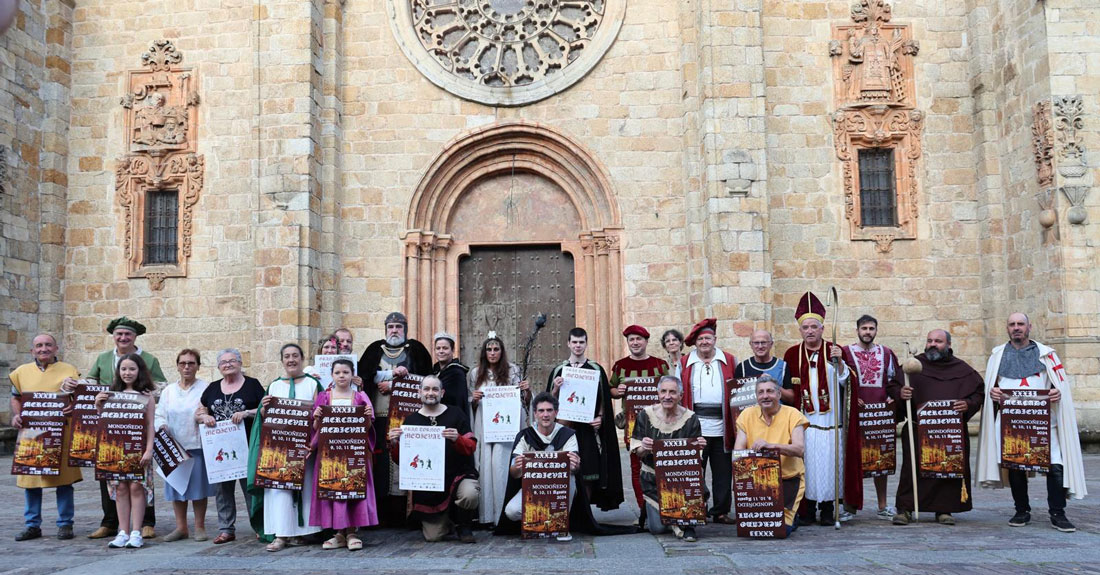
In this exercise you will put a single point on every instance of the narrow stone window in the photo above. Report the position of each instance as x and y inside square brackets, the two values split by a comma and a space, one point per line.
[877, 189]
[161, 227]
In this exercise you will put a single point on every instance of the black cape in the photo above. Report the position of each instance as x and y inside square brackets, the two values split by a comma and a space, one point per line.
[456, 393]
[581, 519]
[417, 359]
[607, 488]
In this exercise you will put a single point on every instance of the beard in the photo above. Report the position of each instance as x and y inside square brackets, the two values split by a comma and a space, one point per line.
[867, 339]
[935, 355]
[395, 340]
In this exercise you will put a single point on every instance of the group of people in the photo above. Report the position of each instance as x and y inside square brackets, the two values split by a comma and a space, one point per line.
[803, 401]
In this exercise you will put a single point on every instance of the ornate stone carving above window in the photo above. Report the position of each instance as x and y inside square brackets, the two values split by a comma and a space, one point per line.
[161, 118]
[876, 108]
[873, 59]
[505, 52]
[880, 127]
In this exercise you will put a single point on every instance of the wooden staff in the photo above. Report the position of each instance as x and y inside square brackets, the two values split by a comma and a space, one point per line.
[912, 366]
[540, 321]
[835, 304]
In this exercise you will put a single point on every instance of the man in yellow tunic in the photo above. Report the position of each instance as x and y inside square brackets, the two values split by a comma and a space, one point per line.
[771, 425]
[45, 374]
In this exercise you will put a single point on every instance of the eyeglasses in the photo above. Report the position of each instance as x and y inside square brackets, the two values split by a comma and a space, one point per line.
[187, 363]
[227, 362]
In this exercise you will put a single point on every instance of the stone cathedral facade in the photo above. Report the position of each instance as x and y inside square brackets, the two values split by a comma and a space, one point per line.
[244, 174]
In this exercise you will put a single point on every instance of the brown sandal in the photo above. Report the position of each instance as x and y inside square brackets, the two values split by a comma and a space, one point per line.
[277, 545]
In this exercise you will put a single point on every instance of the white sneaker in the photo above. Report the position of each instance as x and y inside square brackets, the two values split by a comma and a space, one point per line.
[119, 541]
[846, 516]
[566, 537]
[135, 540]
[888, 513]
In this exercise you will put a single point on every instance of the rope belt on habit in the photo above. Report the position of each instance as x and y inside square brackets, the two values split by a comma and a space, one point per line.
[708, 410]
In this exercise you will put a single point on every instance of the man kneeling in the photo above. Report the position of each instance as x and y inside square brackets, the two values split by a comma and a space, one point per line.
[771, 425]
[434, 509]
[665, 420]
[546, 435]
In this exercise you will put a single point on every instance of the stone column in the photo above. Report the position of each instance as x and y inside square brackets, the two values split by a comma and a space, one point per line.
[725, 151]
[288, 177]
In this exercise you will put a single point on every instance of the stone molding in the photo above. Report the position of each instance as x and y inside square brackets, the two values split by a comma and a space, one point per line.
[875, 100]
[161, 124]
[880, 127]
[432, 252]
[505, 52]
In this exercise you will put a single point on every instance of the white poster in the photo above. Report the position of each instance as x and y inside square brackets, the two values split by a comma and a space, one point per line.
[423, 451]
[578, 394]
[501, 407]
[225, 450]
[322, 367]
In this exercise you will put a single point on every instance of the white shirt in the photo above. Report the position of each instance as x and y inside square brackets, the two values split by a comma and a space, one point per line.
[176, 409]
[707, 388]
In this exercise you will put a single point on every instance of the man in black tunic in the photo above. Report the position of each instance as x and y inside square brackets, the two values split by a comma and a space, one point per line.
[382, 362]
[456, 506]
[600, 473]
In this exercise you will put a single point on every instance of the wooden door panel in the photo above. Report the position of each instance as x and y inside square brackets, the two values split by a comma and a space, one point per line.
[503, 289]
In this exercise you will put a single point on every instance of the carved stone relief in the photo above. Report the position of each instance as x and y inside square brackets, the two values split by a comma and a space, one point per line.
[161, 117]
[1047, 216]
[1069, 112]
[505, 52]
[1076, 195]
[873, 59]
[876, 108]
[1042, 144]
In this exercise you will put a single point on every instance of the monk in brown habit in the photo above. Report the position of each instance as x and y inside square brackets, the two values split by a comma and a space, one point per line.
[943, 376]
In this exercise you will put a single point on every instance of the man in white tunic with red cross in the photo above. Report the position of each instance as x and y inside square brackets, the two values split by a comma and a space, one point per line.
[1025, 364]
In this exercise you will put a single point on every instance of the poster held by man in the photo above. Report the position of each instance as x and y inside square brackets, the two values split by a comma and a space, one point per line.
[39, 445]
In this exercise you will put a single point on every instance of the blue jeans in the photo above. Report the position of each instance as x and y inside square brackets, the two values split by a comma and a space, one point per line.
[32, 510]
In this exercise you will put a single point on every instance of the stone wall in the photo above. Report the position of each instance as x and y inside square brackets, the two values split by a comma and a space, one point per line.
[35, 67]
[215, 306]
[1073, 45]
[918, 285]
[710, 118]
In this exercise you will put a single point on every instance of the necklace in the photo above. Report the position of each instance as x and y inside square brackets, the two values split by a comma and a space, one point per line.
[229, 396]
[431, 420]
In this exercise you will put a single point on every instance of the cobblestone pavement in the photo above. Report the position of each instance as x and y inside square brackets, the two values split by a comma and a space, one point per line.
[981, 543]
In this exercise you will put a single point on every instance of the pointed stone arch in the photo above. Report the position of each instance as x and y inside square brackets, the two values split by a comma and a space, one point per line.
[573, 205]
